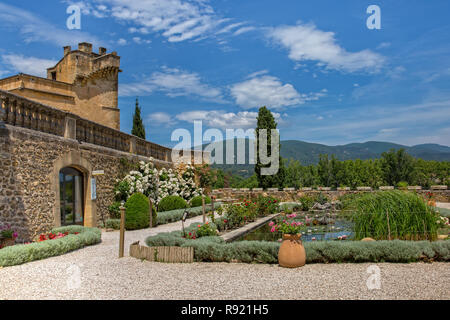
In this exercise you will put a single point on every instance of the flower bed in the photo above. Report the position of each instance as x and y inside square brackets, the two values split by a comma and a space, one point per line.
[214, 249]
[238, 214]
[77, 237]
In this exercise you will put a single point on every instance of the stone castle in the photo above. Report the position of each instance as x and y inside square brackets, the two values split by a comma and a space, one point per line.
[82, 82]
[61, 149]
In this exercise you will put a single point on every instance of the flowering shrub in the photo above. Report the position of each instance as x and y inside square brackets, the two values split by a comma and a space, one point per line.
[6, 232]
[241, 213]
[157, 184]
[429, 195]
[202, 230]
[287, 227]
[267, 205]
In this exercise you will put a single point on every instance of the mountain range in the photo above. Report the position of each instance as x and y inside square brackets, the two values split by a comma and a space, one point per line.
[308, 153]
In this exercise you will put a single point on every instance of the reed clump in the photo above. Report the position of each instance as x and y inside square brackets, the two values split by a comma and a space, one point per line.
[388, 215]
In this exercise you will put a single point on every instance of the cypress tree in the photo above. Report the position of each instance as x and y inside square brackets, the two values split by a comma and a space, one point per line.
[265, 120]
[138, 126]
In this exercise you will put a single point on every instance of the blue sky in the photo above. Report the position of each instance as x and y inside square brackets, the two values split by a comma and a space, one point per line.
[326, 76]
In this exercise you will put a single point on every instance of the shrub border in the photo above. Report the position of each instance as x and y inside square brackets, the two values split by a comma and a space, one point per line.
[177, 215]
[23, 253]
[214, 249]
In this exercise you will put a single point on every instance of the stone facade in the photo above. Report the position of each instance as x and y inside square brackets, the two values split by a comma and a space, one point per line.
[82, 82]
[29, 179]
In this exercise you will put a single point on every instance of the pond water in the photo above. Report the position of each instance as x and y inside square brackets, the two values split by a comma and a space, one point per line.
[340, 228]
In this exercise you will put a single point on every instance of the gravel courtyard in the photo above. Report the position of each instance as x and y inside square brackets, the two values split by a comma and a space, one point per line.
[95, 272]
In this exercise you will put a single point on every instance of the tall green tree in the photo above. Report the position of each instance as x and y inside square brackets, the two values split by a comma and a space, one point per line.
[138, 126]
[397, 166]
[265, 120]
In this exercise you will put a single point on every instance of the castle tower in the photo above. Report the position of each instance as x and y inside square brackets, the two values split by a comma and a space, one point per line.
[82, 82]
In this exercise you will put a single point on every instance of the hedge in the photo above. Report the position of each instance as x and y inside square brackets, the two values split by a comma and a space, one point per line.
[172, 203]
[176, 215]
[197, 201]
[22, 253]
[164, 217]
[214, 249]
[137, 210]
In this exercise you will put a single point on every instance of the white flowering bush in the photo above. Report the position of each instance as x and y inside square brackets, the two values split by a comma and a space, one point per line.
[157, 184]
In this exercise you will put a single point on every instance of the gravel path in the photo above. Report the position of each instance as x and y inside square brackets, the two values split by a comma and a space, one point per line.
[103, 276]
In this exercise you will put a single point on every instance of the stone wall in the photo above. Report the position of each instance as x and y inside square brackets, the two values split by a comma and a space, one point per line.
[294, 195]
[29, 179]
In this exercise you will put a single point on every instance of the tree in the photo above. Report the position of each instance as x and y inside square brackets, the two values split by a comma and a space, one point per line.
[138, 126]
[397, 166]
[265, 120]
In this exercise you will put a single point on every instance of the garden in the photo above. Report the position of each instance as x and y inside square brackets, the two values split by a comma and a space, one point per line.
[172, 192]
[384, 226]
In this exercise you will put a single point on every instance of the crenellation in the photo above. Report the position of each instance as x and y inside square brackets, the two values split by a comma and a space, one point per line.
[82, 82]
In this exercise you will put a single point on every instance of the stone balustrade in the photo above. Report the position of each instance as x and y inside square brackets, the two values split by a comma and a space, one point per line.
[18, 111]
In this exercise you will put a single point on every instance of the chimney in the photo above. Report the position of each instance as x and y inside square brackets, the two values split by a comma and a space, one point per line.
[101, 51]
[85, 47]
[67, 49]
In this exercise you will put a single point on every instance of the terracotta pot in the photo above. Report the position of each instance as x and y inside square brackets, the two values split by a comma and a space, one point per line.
[292, 253]
[432, 203]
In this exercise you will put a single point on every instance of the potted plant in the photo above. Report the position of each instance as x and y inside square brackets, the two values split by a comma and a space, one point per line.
[292, 253]
[7, 236]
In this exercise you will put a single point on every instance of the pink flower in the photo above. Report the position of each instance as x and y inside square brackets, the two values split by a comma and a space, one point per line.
[273, 229]
[271, 223]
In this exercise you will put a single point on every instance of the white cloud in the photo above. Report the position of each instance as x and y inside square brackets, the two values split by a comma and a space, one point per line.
[160, 118]
[35, 29]
[122, 42]
[307, 43]
[230, 27]
[29, 65]
[139, 40]
[384, 45]
[173, 82]
[243, 30]
[268, 91]
[177, 20]
[224, 120]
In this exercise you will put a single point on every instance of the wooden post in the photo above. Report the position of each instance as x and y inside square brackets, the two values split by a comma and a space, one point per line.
[151, 212]
[203, 208]
[122, 231]
[389, 227]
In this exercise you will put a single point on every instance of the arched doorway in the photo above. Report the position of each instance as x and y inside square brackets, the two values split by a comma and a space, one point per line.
[71, 189]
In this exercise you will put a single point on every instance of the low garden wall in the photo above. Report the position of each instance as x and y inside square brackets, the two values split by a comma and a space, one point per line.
[292, 194]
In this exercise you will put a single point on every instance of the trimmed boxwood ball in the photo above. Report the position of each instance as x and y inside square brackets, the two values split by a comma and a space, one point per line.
[197, 201]
[136, 212]
[171, 203]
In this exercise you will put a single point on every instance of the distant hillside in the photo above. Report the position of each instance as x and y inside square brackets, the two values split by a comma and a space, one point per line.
[308, 153]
